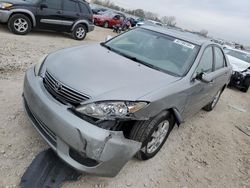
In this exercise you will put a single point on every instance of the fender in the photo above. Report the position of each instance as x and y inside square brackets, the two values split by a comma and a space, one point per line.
[79, 22]
[27, 12]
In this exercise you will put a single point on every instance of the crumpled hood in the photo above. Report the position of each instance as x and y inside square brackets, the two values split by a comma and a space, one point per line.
[237, 64]
[104, 75]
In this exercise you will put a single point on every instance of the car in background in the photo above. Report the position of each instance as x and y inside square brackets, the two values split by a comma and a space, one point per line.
[69, 16]
[109, 19]
[97, 110]
[149, 22]
[97, 10]
[240, 61]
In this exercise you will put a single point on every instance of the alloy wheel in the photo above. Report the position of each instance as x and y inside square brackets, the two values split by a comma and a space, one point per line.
[21, 25]
[158, 136]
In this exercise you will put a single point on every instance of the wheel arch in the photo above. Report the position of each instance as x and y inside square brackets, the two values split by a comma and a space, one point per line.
[83, 22]
[25, 12]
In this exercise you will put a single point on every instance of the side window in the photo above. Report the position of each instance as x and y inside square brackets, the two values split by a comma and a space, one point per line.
[219, 58]
[53, 4]
[71, 6]
[84, 8]
[206, 62]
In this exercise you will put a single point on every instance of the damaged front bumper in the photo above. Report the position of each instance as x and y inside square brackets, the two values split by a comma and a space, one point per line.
[82, 145]
[240, 79]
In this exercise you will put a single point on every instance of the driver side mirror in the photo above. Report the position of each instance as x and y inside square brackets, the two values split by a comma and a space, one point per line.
[43, 5]
[203, 77]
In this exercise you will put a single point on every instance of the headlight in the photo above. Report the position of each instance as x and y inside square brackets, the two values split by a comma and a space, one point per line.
[110, 110]
[38, 66]
[5, 5]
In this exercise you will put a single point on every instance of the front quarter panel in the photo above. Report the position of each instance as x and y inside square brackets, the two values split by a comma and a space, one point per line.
[172, 96]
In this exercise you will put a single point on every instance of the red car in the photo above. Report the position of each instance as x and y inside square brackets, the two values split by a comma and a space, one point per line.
[108, 19]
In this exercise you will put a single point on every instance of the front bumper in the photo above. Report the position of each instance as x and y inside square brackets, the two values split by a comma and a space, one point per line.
[82, 145]
[240, 79]
[4, 16]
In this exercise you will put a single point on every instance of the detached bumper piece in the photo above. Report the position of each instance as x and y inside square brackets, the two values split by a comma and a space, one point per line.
[48, 171]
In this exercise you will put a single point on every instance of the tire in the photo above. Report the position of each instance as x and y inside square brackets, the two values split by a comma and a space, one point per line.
[19, 24]
[210, 106]
[246, 85]
[145, 131]
[245, 89]
[79, 32]
[106, 24]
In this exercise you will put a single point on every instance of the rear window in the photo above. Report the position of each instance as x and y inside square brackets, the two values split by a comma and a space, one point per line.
[71, 6]
[84, 8]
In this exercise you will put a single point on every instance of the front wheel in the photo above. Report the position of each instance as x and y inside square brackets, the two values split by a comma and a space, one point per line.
[79, 32]
[19, 24]
[152, 134]
[246, 84]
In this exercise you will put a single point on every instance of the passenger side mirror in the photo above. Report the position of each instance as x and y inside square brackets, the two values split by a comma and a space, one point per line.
[43, 5]
[203, 77]
[109, 37]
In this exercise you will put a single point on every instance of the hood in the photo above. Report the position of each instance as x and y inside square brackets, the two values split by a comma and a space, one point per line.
[100, 73]
[237, 64]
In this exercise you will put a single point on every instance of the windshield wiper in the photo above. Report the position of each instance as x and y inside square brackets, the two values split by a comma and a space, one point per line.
[108, 47]
[142, 62]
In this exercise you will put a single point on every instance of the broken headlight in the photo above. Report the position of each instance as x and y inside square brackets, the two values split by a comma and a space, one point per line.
[110, 110]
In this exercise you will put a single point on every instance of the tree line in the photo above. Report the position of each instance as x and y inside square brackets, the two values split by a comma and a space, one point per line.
[167, 20]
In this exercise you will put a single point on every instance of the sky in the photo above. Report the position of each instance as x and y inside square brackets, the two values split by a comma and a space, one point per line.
[226, 19]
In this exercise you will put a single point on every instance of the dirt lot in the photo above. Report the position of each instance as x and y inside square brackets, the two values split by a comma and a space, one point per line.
[206, 151]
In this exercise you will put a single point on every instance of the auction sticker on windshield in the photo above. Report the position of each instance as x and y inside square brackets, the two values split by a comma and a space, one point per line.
[183, 43]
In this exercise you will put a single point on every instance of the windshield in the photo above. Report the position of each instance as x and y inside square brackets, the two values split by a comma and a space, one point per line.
[156, 50]
[240, 55]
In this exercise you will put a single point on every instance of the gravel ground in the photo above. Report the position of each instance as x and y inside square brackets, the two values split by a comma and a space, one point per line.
[206, 151]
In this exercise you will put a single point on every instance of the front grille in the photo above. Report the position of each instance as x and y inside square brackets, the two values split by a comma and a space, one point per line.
[62, 92]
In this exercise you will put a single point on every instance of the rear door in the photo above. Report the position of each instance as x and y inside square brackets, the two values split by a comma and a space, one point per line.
[50, 15]
[221, 72]
[71, 13]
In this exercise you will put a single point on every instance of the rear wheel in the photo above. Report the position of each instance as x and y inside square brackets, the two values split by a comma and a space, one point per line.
[212, 104]
[245, 89]
[246, 85]
[19, 24]
[152, 134]
[79, 32]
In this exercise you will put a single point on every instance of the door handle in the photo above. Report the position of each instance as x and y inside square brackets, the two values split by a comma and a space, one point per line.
[59, 12]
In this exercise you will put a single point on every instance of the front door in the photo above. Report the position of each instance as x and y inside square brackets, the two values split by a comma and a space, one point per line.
[200, 93]
[49, 15]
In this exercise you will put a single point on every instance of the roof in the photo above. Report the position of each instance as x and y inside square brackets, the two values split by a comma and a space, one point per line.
[187, 36]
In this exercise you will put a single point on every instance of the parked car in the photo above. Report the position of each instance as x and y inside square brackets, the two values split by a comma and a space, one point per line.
[109, 19]
[99, 110]
[96, 9]
[240, 61]
[149, 22]
[72, 16]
